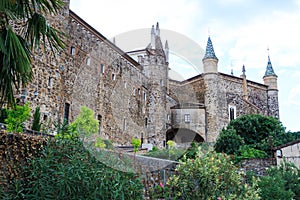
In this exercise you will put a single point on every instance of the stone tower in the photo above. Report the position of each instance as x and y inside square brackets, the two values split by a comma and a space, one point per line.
[155, 67]
[213, 93]
[270, 79]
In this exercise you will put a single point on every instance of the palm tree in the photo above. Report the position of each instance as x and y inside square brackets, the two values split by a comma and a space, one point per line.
[17, 44]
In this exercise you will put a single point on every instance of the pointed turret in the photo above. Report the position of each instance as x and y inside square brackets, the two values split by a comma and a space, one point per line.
[157, 29]
[210, 60]
[210, 53]
[245, 86]
[270, 78]
[269, 70]
[244, 70]
[167, 51]
[152, 37]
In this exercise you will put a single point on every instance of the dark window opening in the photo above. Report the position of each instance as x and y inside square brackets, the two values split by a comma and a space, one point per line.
[99, 122]
[231, 113]
[66, 113]
[142, 138]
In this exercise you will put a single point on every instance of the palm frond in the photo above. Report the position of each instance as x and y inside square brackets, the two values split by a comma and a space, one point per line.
[16, 68]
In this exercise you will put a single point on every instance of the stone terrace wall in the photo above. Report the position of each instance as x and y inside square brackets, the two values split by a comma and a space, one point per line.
[257, 165]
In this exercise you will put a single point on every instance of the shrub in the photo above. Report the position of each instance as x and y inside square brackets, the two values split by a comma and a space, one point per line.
[285, 179]
[68, 171]
[16, 118]
[210, 176]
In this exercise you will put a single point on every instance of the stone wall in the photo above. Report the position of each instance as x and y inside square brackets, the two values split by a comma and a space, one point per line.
[258, 166]
[105, 79]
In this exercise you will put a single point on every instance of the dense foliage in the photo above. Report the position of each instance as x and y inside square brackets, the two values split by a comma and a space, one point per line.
[16, 44]
[68, 171]
[85, 123]
[16, 118]
[209, 176]
[257, 132]
[281, 183]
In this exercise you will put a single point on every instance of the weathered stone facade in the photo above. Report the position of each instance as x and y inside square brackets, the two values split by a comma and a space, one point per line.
[135, 98]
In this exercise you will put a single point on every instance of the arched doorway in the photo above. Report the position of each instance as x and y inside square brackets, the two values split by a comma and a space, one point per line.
[183, 135]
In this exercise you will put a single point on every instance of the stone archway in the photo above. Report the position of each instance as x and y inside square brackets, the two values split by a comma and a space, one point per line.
[183, 135]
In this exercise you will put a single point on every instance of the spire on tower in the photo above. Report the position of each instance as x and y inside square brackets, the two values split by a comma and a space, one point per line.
[166, 45]
[167, 51]
[244, 70]
[152, 37]
[157, 29]
[269, 70]
[210, 53]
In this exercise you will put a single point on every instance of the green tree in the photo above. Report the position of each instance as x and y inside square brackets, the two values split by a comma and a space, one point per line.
[17, 44]
[85, 123]
[16, 118]
[256, 131]
[229, 141]
[36, 124]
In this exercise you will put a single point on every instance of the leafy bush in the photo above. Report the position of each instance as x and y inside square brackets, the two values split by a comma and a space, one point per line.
[209, 176]
[250, 152]
[68, 171]
[170, 154]
[282, 182]
[99, 143]
[16, 118]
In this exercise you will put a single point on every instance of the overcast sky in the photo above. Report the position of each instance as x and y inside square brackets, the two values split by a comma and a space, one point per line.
[241, 32]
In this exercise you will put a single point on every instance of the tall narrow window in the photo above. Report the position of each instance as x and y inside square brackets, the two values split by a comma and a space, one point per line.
[145, 96]
[113, 77]
[146, 122]
[72, 50]
[102, 69]
[124, 124]
[232, 112]
[99, 122]
[187, 118]
[50, 82]
[66, 113]
[142, 138]
[88, 61]
[125, 84]
[139, 91]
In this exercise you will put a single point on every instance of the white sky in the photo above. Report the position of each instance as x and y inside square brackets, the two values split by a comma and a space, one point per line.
[241, 32]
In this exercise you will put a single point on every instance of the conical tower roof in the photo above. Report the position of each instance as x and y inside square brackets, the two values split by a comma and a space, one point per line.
[210, 53]
[269, 70]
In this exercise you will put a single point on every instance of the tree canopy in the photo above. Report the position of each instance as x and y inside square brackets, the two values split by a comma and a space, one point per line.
[18, 42]
[256, 131]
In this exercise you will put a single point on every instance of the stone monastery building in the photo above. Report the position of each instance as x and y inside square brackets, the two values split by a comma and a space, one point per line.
[137, 98]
